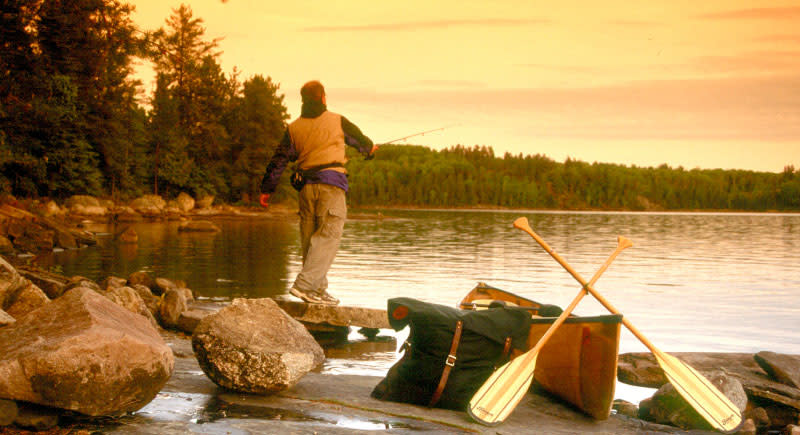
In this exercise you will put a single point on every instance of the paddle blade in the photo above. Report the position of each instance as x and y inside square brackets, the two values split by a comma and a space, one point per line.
[700, 393]
[501, 393]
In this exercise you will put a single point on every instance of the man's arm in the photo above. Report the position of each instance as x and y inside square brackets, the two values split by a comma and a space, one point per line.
[356, 139]
[283, 155]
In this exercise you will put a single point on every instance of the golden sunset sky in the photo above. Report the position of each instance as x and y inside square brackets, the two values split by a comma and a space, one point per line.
[692, 83]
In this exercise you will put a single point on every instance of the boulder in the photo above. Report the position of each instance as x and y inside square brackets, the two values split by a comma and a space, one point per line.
[83, 353]
[185, 202]
[27, 299]
[129, 299]
[140, 277]
[667, 406]
[149, 205]
[198, 226]
[85, 205]
[173, 303]
[81, 281]
[780, 367]
[52, 284]
[204, 201]
[111, 282]
[190, 318]
[10, 282]
[152, 301]
[253, 346]
[161, 285]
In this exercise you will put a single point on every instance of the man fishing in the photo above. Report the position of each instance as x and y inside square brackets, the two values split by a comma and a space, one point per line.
[316, 141]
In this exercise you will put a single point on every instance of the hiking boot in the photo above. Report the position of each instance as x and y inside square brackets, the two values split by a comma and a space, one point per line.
[312, 297]
[330, 300]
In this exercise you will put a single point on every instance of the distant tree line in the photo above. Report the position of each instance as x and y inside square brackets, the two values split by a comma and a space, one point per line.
[74, 120]
[406, 175]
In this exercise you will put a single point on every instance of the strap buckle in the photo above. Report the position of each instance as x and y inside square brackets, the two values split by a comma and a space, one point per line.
[451, 360]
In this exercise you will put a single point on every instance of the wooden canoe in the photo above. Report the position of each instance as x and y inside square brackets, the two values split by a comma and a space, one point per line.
[579, 362]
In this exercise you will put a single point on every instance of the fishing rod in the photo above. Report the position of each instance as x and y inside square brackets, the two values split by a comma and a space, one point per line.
[422, 133]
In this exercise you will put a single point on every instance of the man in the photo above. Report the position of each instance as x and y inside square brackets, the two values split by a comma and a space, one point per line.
[316, 141]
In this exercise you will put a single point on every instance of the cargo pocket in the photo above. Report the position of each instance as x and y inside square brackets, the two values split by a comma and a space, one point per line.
[333, 223]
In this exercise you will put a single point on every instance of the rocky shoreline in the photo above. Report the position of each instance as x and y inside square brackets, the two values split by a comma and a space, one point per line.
[116, 355]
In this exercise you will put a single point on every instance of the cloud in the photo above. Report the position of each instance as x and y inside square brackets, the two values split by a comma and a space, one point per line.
[784, 13]
[754, 62]
[434, 25]
[780, 38]
[753, 108]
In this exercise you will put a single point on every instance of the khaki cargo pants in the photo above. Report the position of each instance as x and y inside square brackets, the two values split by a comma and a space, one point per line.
[323, 210]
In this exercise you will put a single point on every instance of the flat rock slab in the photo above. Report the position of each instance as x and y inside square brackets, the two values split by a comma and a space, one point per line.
[335, 315]
[641, 369]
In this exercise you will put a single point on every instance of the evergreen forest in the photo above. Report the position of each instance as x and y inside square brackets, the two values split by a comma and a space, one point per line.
[74, 119]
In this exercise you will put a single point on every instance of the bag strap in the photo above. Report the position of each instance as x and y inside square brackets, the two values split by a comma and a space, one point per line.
[448, 364]
[506, 353]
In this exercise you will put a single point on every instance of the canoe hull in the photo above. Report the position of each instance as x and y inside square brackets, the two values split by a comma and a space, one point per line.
[579, 362]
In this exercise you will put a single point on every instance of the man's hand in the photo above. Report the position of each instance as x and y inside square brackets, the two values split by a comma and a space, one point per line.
[264, 200]
[371, 154]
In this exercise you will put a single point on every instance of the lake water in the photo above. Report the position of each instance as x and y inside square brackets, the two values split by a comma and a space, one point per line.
[692, 281]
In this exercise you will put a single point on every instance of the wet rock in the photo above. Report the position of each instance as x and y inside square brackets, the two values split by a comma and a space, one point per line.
[6, 319]
[624, 407]
[667, 406]
[781, 367]
[26, 299]
[83, 353]
[152, 301]
[141, 277]
[161, 285]
[10, 282]
[198, 226]
[53, 285]
[189, 319]
[128, 236]
[173, 303]
[129, 299]
[8, 412]
[253, 346]
[83, 282]
[111, 282]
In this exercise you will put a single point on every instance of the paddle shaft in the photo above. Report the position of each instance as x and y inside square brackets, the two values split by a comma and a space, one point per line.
[622, 243]
[522, 224]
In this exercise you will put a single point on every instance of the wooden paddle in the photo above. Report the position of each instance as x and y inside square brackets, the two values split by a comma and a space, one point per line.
[504, 389]
[696, 389]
